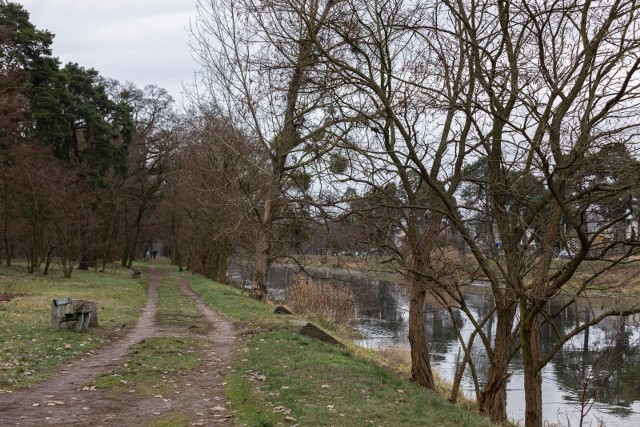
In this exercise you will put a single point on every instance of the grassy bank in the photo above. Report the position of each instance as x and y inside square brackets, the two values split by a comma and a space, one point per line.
[29, 351]
[282, 378]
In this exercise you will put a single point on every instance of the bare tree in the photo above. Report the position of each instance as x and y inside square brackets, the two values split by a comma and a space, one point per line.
[539, 91]
[411, 96]
[259, 68]
[210, 199]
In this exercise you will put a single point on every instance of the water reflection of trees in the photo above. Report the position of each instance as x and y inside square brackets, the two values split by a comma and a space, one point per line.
[601, 364]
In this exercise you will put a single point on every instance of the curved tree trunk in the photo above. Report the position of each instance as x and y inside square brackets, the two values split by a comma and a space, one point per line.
[262, 256]
[260, 267]
[493, 399]
[421, 372]
[530, 340]
[221, 267]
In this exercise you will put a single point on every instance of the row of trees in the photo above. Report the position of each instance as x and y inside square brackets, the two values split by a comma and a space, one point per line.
[83, 159]
[467, 138]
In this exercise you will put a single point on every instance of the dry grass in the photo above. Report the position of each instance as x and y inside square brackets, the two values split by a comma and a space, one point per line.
[396, 359]
[326, 299]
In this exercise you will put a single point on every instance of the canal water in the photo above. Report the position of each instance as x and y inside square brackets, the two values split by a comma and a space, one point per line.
[605, 358]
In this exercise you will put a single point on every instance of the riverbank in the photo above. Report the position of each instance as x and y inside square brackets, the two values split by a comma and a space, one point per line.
[178, 366]
[280, 377]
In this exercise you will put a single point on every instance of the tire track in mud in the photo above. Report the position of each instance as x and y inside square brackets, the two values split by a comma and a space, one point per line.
[61, 400]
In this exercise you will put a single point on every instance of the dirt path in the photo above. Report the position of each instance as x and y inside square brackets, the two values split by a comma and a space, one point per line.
[66, 400]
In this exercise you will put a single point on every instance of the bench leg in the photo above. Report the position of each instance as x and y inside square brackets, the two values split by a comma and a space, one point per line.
[80, 322]
[85, 321]
[56, 324]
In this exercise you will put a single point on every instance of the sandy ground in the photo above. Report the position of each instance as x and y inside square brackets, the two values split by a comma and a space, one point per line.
[66, 399]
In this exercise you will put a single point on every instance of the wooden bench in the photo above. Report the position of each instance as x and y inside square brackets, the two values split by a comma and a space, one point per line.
[61, 312]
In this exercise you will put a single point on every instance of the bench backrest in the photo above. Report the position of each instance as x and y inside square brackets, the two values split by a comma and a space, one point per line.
[61, 301]
[60, 307]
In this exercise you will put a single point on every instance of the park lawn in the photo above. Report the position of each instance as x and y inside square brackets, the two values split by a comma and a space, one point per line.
[282, 378]
[29, 349]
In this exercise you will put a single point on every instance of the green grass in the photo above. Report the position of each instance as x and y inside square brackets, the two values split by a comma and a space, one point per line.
[281, 378]
[172, 419]
[156, 366]
[283, 375]
[29, 349]
[176, 309]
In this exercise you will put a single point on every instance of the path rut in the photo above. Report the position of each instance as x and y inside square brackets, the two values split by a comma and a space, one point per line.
[65, 400]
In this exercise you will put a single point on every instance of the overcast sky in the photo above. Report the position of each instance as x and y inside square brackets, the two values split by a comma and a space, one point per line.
[141, 41]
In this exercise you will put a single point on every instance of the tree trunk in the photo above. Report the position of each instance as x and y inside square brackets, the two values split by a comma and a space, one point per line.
[132, 248]
[262, 256]
[260, 266]
[530, 340]
[83, 264]
[493, 399]
[421, 372]
[221, 267]
[7, 247]
[47, 263]
[175, 257]
[125, 252]
[5, 226]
